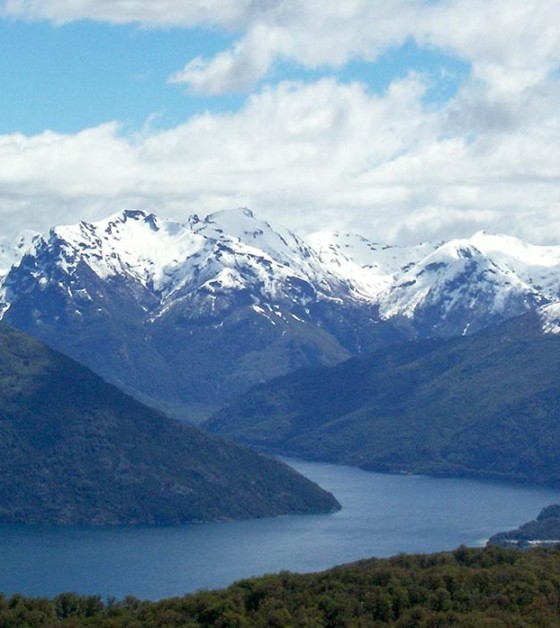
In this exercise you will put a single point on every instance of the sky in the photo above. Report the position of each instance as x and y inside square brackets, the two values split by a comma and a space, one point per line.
[405, 121]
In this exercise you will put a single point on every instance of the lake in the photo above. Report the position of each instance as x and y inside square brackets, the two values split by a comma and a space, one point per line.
[382, 515]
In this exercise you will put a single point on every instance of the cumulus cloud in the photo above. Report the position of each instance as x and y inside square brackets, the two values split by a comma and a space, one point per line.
[325, 154]
[311, 156]
[511, 44]
[308, 32]
[232, 71]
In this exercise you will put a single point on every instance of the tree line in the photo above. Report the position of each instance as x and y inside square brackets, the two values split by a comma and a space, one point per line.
[493, 587]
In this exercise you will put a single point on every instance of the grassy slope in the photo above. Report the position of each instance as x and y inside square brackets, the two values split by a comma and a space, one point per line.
[74, 449]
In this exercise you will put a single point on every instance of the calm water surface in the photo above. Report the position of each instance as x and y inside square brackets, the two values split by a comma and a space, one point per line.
[382, 515]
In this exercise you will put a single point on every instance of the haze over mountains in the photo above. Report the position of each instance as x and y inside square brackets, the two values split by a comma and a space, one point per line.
[186, 316]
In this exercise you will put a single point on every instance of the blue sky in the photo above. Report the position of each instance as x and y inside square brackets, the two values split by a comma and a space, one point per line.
[69, 77]
[416, 120]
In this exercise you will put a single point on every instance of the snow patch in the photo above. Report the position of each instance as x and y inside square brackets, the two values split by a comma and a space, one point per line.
[550, 318]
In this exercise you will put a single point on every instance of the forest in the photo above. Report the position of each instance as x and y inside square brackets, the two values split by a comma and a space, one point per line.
[493, 587]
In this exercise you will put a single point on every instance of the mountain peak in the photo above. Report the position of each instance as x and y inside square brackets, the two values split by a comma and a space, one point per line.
[240, 212]
[134, 214]
[236, 220]
[158, 287]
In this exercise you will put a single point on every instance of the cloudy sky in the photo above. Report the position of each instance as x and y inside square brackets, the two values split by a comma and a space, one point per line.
[406, 120]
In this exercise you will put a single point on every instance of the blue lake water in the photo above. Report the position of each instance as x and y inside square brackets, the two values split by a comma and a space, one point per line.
[382, 515]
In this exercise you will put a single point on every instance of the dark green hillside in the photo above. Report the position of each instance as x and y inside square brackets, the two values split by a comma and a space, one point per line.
[467, 588]
[544, 529]
[486, 405]
[74, 449]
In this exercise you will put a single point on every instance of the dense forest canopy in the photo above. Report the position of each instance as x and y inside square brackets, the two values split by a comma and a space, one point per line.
[492, 587]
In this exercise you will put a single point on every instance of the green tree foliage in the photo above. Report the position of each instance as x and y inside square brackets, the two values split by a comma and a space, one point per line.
[485, 405]
[75, 450]
[493, 587]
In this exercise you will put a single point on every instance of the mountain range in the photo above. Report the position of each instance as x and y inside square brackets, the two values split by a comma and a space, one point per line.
[439, 358]
[187, 315]
[76, 450]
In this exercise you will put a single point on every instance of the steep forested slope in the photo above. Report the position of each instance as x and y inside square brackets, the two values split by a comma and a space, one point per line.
[74, 449]
[485, 405]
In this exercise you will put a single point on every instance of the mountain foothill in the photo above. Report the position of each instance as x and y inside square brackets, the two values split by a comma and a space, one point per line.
[76, 450]
[484, 406]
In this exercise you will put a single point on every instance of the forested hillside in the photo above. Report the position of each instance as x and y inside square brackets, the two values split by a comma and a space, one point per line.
[485, 405]
[501, 588]
[75, 450]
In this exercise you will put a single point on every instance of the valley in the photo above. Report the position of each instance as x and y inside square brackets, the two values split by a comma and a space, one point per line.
[187, 316]
[382, 515]
[436, 364]
[484, 405]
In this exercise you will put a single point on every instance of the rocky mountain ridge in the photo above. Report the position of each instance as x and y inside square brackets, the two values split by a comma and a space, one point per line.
[195, 312]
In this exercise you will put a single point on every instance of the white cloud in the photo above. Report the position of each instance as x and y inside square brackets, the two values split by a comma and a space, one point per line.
[191, 13]
[235, 70]
[512, 44]
[323, 154]
[311, 156]
[307, 32]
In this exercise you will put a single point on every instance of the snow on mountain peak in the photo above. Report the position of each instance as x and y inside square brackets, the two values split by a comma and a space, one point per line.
[227, 252]
[233, 251]
[280, 244]
[370, 267]
[10, 254]
[487, 274]
[238, 223]
[550, 318]
[131, 242]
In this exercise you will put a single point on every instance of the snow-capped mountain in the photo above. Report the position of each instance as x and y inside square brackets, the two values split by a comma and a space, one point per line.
[227, 251]
[449, 288]
[177, 313]
[369, 268]
[10, 254]
[181, 312]
[466, 285]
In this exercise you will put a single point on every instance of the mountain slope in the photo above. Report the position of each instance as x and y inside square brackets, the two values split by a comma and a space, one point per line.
[485, 405]
[187, 315]
[74, 449]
